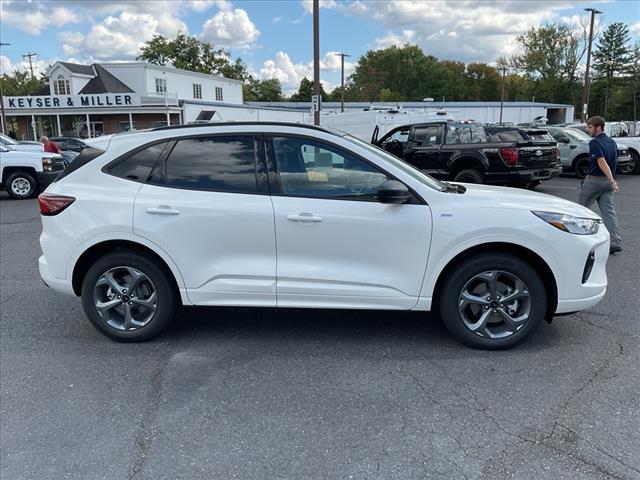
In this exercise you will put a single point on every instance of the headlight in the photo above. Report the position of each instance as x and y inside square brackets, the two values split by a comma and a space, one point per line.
[569, 223]
[47, 165]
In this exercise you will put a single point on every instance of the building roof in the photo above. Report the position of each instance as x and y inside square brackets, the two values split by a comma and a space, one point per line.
[43, 90]
[104, 82]
[430, 105]
[77, 68]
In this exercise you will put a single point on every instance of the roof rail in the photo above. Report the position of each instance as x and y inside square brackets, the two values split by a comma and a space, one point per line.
[223, 124]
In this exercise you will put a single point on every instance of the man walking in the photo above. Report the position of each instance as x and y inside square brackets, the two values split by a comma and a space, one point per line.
[600, 184]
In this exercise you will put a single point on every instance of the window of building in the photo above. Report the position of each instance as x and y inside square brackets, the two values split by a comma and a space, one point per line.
[161, 85]
[219, 164]
[127, 127]
[307, 168]
[219, 94]
[139, 165]
[197, 90]
[61, 86]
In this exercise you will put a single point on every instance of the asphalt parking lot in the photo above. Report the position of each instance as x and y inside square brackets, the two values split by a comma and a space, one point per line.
[290, 394]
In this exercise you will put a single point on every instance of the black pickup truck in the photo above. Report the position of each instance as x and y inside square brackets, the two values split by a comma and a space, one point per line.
[464, 152]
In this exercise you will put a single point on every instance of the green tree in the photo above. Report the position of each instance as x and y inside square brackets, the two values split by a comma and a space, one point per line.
[20, 83]
[482, 82]
[549, 56]
[189, 53]
[263, 90]
[305, 91]
[612, 59]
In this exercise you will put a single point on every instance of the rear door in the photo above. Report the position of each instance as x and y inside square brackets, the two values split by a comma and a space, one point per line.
[207, 205]
[424, 149]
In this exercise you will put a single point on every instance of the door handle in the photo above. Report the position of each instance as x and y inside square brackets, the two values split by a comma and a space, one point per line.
[304, 218]
[162, 210]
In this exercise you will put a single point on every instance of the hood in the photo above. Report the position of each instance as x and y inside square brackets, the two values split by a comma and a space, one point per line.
[485, 196]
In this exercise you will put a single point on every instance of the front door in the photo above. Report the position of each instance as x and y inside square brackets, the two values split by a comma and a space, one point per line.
[337, 246]
[207, 206]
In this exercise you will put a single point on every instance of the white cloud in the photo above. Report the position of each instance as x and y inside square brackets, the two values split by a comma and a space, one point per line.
[290, 74]
[308, 5]
[635, 29]
[230, 28]
[408, 36]
[35, 20]
[120, 37]
[472, 30]
[6, 66]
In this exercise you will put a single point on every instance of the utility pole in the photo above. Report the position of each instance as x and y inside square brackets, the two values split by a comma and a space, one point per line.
[3, 119]
[342, 55]
[29, 55]
[585, 92]
[504, 71]
[316, 61]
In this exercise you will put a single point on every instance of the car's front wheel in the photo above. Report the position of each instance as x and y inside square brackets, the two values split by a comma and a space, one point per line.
[22, 185]
[492, 301]
[128, 297]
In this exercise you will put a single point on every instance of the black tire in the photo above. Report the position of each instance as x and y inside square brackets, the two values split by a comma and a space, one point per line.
[496, 334]
[148, 315]
[635, 157]
[21, 185]
[470, 175]
[580, 166]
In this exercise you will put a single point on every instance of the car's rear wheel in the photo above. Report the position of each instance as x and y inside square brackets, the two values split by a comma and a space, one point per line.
[635, 158]
[470, 175]
[127, 297]
[493, 301]
[21, 185]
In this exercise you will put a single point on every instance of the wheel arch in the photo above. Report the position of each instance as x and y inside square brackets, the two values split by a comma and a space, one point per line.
[91, 254]
[524, 253]
[10, 170]
[464, 162]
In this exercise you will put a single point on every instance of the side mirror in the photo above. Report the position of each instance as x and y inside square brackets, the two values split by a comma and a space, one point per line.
[393, 191]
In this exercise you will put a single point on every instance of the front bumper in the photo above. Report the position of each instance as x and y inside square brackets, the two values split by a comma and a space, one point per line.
[46, 178]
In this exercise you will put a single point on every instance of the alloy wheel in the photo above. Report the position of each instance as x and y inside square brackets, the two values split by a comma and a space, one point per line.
[125, 298]
[494, 304]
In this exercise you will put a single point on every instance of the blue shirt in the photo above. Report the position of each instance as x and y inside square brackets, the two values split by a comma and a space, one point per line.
[602, 146]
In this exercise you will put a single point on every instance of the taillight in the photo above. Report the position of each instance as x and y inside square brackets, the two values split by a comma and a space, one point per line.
[509, 156]
[51, 204]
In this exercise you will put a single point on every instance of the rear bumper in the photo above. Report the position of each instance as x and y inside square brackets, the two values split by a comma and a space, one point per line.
[519, 177]
[57, 284]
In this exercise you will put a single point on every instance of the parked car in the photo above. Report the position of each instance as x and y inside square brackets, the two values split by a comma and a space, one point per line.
[574, 151]
[632, 144]
[69, 143]
[25, 173]
[460, 151]
[22, 147]
[287, 215]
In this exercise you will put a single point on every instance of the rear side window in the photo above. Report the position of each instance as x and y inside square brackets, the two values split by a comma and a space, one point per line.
[138, 166]
[221, 164]
[88, 154]
[507, 136]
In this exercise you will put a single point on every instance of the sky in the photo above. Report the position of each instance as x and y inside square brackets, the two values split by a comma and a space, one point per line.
[275, 38]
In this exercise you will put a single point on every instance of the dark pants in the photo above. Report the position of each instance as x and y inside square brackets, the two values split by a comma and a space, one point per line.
[598, 188]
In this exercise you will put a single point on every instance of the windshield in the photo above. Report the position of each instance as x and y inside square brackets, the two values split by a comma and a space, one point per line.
[7, 140]
[577, 134]
[396, 162]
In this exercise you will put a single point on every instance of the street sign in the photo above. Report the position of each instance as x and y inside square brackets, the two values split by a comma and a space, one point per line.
[315, 103]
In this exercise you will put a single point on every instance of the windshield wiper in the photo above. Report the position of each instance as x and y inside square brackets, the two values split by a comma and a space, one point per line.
[449, 187]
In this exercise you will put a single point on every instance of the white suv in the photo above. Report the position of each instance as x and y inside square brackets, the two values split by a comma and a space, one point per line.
[282, 215]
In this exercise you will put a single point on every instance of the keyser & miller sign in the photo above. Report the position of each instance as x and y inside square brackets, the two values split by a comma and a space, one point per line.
[73, 101]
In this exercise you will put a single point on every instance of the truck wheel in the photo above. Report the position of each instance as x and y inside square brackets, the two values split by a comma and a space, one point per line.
[635, 159]
[21, 185]
[580, 166]
[492, 301]
[469, 175]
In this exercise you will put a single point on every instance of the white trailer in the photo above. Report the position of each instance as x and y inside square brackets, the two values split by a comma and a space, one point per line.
[363, 124]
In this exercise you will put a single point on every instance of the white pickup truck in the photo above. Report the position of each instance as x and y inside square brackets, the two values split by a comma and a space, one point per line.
[26, 173]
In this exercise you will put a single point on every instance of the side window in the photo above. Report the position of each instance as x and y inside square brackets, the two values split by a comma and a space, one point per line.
[139, 165]
[220, 164]
[427, 136]
[453, 135]
[401, 136]
[307, 168]
[558, 136]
